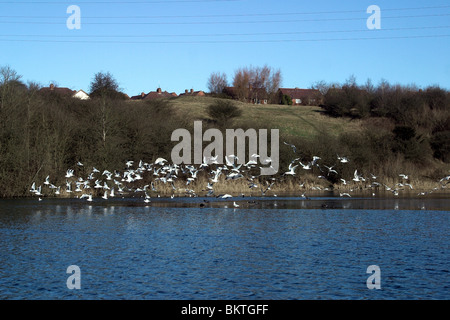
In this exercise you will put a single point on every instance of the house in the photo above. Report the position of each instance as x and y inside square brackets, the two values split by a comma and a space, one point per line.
[53, 89]
[154, 95]
[301, 96]
[80, 94]
[249, 95]
[193, 93]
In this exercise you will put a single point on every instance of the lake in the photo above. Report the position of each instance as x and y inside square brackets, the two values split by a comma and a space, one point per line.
[207, 249]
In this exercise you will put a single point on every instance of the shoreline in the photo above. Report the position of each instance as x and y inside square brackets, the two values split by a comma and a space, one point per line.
[301, 194]
[438, 202]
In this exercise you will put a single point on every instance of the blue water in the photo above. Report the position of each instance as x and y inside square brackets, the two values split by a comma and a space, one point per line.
[126, 250]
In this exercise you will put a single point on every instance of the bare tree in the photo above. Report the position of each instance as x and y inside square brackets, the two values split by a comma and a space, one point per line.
[249, 81]
[273, 84]
[104, 90]
[322, 86]
[217, 82]
[9, 81]
[241, 83]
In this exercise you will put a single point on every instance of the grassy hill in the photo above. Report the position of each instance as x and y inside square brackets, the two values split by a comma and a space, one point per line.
[296, 121]
[366, 141]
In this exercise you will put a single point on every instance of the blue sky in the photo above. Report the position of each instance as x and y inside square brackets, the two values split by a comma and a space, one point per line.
[176, 45]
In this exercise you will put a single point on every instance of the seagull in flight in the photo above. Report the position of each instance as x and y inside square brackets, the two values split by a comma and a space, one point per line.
[292, 146]
[38, 191]
[291, 169]
[305, 166]
[160, 161]
[342, 159]
[68, 187]
[88, 196]
[330, 169]
[129, 163]
[357, 177]
[314, 160]
[69, 173]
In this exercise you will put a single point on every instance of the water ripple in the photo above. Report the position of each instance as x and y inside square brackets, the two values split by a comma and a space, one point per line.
[217, 253]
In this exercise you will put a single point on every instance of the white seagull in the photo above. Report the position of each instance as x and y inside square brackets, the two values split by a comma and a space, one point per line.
[69, 173]
[160, 161]
[306, 166]
[342, 159]
[291, 169]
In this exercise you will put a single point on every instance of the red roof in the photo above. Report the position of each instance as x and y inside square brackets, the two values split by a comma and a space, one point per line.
[63, 91]
[192, 93]
[154, 95]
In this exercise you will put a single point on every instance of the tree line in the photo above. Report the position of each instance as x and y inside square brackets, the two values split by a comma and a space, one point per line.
[45, 133]
[417, 121]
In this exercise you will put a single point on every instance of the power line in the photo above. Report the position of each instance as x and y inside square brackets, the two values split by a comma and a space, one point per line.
[229, 41]
[223, 15]
[224, 22]
[227, 34]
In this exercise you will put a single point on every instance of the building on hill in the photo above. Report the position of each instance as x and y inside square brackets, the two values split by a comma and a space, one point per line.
[192, 93]
[53, 89]
[154, 95]
[80, 94]
[301, 96]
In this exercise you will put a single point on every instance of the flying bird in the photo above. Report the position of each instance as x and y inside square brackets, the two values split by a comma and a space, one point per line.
[292, 146]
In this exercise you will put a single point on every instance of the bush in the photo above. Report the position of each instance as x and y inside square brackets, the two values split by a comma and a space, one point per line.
[440, 143]
[223, 112]
[414, 147]
[286, 100]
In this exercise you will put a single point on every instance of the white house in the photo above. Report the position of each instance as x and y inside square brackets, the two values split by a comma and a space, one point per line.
[80, 94]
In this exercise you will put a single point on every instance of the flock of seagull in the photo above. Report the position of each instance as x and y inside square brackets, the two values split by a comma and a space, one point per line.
[146, 178]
